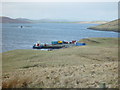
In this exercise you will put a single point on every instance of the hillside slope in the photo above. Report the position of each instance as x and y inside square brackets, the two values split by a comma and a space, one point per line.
[110, 26]
[76, 67]
[10, 20]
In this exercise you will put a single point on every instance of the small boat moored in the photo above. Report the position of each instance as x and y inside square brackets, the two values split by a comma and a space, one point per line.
[47, 46]
[57, 45]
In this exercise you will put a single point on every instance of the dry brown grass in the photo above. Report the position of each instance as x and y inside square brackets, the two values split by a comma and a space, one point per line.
[82, 76]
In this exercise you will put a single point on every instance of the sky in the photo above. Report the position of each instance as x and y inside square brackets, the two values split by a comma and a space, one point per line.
[60, 0]
[74, 11]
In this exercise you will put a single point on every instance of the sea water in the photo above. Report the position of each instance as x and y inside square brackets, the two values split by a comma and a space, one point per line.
[15, 37]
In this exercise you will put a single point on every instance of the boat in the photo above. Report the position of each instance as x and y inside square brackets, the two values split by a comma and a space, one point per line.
[57, 45]
[48, 46]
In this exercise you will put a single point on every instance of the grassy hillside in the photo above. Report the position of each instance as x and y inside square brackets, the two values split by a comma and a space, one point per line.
[78, 67]
[110, 26]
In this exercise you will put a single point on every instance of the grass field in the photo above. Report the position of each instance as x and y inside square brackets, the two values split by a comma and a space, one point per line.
[74, 67]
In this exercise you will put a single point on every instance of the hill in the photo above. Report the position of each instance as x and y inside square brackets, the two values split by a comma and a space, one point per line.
[25, 20]
[92, 22]
[110, 26]
[10, 20]
[76, 67]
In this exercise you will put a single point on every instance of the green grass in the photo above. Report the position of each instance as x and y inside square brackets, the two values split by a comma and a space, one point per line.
[64, 66]
[29, 58]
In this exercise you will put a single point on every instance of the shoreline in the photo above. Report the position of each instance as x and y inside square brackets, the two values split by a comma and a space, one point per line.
[78, 41]
[92, 28]
[109, 26]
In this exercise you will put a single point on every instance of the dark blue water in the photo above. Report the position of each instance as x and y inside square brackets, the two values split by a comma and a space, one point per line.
[15, 37]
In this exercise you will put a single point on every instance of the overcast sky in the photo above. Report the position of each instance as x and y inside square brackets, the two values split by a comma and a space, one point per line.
[82, 11]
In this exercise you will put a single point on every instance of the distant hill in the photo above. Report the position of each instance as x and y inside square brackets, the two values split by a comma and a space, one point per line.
[110, 26]
[51, 21]
[67, 21]
[10, 20]
[24, 20]
[92, 22]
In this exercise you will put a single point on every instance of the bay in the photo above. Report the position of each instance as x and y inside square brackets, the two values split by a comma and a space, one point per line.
[15, 37]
